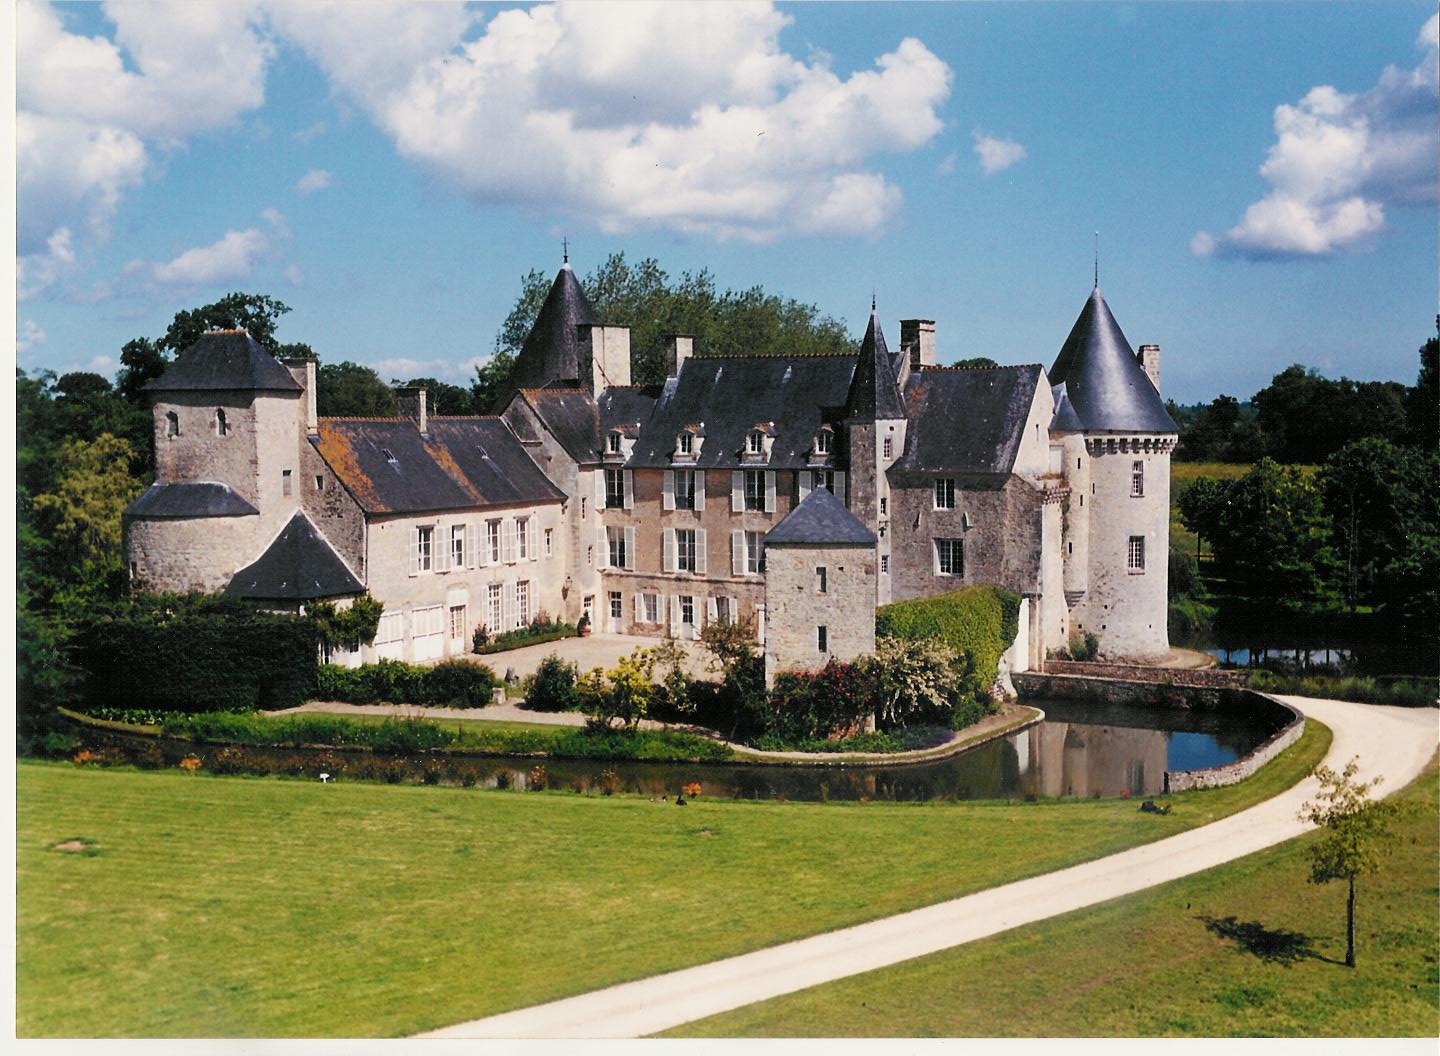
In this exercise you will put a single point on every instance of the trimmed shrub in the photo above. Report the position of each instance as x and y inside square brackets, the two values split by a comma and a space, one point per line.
[460, 684]
[453, 683]
[978, 622]
[552, 686]
[541, 629]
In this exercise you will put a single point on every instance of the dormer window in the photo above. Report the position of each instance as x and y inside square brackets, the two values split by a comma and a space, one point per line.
[686, 445]
[221, 426]
[824, 440]
[755, 442]
[612, 442]
[389, 455]
[172, 424]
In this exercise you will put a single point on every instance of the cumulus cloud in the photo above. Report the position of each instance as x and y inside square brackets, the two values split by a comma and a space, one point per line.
[29, 336]
[233, 257]
[1338, 162]
[996, 155]
[403, 368]
[312, 181]
[681, 116]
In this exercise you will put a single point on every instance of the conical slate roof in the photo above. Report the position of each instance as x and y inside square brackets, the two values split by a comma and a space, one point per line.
[551, 353]
[1107, 387]
[1065, 419]
[820, 520]
[298, 566]
[873, 392]
[225, 359]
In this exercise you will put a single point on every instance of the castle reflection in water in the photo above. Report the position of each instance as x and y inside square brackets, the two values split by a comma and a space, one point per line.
[1070, 759]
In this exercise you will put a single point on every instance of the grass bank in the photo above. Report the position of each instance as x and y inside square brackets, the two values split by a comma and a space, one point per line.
[219, 906]
[1246, 949]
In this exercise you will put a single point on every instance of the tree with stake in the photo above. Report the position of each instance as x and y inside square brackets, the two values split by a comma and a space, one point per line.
[1354, 828]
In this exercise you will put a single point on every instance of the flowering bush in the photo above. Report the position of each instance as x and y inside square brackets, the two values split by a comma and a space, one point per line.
[834, 700]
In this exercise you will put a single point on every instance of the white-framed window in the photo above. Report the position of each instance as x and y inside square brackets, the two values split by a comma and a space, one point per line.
[614, 489]
[822, 638]
[172, 424]
[650, 604]
[616, 538]
[724, 609]
[822, 579]
[589, 557]
[522, 538]
[549, 542]
[1135, 554]
[889, 447]
[824, 441]
[1137, 479]
[755, 442]
[494, 611]
[522, 603]
[755, 488]
[458, 630]
[287, 483]
[754, 553]
[457, 546]
[685, 550]
[617, 605]
[944, 493]
[222, 427]
[686, 444]
[612, 443]
[425, 548]
[685, 489]
[582, 507]
[687, 610]
[950, 557]
[884, 563]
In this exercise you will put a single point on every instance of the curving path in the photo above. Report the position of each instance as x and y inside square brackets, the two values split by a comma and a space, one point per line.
[1394, 742]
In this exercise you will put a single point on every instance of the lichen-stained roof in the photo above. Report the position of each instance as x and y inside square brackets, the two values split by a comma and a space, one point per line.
[191, 498]
[1110, 390]
[551, 349]
[820, 519]
[225, 359]
[299, 565]
[967, 421]
[389, 467]
[731, 394]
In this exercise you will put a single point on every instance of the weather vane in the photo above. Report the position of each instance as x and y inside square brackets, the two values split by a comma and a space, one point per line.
[565, 248]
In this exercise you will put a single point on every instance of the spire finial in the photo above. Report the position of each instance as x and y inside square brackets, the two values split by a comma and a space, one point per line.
[872, 300]
[1097, 260]
[565, 249]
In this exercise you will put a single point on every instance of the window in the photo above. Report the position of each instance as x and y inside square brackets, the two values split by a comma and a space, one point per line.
[684, 489]
[612, 443]
[754, 553]
[389, 455]
[319, 482]
[822, 579]
[950, 555]
[424, 548]
[589, 556]
[755, 442]
[1135, 561]
[582, 507]
[722, 611]
[822, 638]
[884, 507]
[492, 608]
[889, 447]
[617, 606]
[285, 484]
[823, 441]
[685, 550]
[457, 546]
[650, 606]
[755, 488]
[221, 426]
[172, 424]
[492, 542]
[522, 538]
[1137, 479]
[457, 623]
[687, 609]
[549, 542]
[522, 603]
[614, 489]
[687, 444]
[944, 493]
[615, 544]
[885, 563]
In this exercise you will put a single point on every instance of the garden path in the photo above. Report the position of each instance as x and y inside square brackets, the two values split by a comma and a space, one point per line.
[1395, 742]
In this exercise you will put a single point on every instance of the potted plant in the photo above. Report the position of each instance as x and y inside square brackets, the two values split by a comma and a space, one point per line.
[583, 627]
[481, 638]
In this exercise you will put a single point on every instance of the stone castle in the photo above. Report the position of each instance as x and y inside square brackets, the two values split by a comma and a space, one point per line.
[795, 492]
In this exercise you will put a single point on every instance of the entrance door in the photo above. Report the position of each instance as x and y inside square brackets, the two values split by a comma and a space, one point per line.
[617, 612]
[458, 644]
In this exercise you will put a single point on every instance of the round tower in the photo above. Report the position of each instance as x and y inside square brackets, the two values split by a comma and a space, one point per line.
[1117, 442]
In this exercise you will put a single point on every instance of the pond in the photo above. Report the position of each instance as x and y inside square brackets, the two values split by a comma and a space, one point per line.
[1081, 749]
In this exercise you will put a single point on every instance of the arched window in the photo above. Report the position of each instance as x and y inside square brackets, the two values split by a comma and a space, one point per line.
[221, 426]
[172, 424]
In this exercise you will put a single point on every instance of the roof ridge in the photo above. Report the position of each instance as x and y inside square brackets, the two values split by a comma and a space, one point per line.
[959, 369]
[364, 418]
[775, 355]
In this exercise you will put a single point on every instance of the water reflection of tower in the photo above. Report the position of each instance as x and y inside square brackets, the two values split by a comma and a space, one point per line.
[1071, 759]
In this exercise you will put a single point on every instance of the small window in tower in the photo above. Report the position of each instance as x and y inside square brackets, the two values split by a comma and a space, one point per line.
[172, 424]
[1137, 479]
[319, 482]
[822, 579]
[221, 426]
[822, 638]
[1136, 554]
[884, 564]
[889, 447]
[884, 507]
[285, 482]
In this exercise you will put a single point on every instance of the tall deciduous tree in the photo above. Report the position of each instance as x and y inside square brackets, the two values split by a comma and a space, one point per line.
[351, 390]
[255, 312]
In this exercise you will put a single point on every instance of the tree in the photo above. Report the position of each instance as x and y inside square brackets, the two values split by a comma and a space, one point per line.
[254, 312]
[1355, 827]
[1422, 403]
[916, 680]
[348, 390]
[443, 398]
[976, 363]
[81, 516]
[1201, 506]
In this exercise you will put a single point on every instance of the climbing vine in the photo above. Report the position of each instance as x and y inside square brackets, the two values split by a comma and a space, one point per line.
[347, 627]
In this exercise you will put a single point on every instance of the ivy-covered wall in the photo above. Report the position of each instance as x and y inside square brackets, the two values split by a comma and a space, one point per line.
[979, 621]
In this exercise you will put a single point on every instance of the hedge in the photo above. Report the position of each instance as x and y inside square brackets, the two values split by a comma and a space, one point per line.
[523, 637]
[195, 652]
[981, 622]
[454, 683]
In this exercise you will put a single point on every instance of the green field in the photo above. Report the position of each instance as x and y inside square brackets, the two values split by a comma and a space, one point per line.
[1182, 475]
[216, 906]
[1247, 949]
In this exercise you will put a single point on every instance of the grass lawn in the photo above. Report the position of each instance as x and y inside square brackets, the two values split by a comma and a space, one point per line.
[218, 906]
[1246, 949]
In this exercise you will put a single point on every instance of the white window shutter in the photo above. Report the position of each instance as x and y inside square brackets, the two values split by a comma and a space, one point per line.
[471, 555]
[712, 609]
[667, 491]
[734, 610]
[675, 615]
[804, 487]
[700, 550]
[630, 548]
[840, 487]
[602, 557]
[737, 553]
[442, 543]
[699, 491]
[509, 606]
[668, 550]
[628, 477]
[737, 491]
[769, 491]
[507, 541]
[414, 551]
[599, 490]
[639, 609]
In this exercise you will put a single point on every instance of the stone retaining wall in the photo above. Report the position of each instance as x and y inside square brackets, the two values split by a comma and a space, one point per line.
[1205, 677]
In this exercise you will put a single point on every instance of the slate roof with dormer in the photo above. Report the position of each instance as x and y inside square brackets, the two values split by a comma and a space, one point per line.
[298, 566]
[820, 519]
[190, 498]
[388, 466]
[1108, 388]
[967, 421]
[225, 359]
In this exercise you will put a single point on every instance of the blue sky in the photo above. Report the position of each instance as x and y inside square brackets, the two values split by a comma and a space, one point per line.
[1263, 176]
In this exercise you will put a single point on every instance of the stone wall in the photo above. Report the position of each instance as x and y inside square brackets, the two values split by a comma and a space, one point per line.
[795, 607]
[1206, 677]
[203, 553]
[335, 514]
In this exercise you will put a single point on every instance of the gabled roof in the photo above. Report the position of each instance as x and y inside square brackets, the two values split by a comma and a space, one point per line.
[967, 421]
[550, 352]
[820, 519]
[390, 467]
[1108, 388]
[730, 394]
[873, 392]
[1065, 419]
[298, 566]
[580, 421]
[225, 359]
[191, 498]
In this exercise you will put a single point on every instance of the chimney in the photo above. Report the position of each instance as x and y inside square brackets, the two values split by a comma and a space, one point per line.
[1149, 358]
[604, 355]
[411, 403]
[678, 348]
[303, 371]
[917, 338]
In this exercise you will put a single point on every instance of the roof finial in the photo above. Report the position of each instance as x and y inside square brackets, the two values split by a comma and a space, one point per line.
[872, 300]
[1097, 260]
[565, 249]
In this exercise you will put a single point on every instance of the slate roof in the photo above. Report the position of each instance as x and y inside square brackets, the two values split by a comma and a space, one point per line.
[1108, 388]
[873, 392]
[225, 359]
[967, 421]
[729, 395]
[462, 463]
[193, 498]
[820, 519]
[1065, 419]
[299, 565]
[550, 352]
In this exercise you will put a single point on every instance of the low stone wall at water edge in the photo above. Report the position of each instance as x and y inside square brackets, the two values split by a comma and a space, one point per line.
[1206, 677]
[1169, 695]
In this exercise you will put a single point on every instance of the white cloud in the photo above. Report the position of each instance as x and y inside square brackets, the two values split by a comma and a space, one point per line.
[38, 270]
[947, 166]
[233, 257]
[681, 116]
[29, 336]
[404, 368]
[305, 135]
[294, 276]
[103, 365]
[1338, 161]
[996, 155]
[276, 219]
[312, 181]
